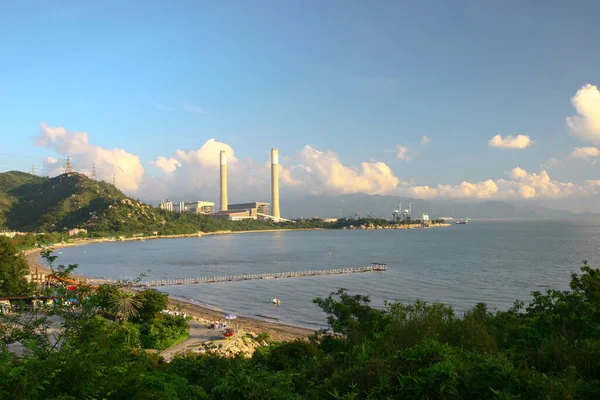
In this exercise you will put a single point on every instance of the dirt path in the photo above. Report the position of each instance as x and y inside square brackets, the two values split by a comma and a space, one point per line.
[199, 333]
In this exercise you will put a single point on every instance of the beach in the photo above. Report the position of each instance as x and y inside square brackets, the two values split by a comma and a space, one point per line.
[276, 331]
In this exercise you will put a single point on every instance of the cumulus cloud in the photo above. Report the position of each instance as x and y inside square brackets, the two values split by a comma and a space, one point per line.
[511, 142]
[425, 140]
[586, 125]
[322, 171]
[195, 172]
[522, 185]
[464, 190]
[403, 153]
[126, 167]
[586, 153]
[168, 165]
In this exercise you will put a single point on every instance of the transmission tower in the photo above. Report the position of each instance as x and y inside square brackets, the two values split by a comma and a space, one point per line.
[68, 168]
[113, 180]
[33, 170]
[94, 171]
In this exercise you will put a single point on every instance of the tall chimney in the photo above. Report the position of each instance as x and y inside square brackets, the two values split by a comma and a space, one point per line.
[275, 183]
[224, 202]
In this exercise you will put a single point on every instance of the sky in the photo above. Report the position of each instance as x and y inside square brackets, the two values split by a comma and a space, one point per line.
[456, 100]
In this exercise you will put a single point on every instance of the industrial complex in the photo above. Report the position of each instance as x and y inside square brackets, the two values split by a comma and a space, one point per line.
[235, 212]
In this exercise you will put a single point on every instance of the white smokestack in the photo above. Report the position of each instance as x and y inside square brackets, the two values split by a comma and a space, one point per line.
[275, 183]
[224, 201]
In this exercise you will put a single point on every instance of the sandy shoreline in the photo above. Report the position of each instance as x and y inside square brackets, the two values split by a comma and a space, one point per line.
[277, 331]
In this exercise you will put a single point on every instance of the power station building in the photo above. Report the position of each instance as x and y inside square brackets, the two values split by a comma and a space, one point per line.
[237, 212]
[195, 207]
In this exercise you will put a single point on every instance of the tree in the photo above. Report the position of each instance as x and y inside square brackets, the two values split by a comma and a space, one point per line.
[125, 306]
[13, 269]
[151, 302]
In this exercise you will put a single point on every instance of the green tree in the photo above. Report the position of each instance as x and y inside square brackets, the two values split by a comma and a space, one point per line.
[13, 269]
[125, 306]
[150, 303]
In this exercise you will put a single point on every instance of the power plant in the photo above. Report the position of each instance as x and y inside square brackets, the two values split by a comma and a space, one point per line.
[235, 212]
[251, 210]
[223, 159]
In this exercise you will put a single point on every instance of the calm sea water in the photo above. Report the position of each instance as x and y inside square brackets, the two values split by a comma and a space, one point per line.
[493, 262]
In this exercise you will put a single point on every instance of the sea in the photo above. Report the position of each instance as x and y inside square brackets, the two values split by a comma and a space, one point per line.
[494, 262]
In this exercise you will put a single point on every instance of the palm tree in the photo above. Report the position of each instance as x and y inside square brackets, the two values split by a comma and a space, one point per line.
[125, 306]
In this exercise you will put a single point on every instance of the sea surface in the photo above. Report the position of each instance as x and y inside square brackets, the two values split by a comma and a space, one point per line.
[496, 262]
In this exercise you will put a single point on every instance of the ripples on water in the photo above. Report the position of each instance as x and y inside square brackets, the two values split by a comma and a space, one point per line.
[494, 262]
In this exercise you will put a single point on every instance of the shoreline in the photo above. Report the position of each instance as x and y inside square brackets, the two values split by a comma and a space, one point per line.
[277, 330]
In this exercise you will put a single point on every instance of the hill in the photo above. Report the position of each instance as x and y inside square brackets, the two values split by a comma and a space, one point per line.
[29, 202]
[67, 201]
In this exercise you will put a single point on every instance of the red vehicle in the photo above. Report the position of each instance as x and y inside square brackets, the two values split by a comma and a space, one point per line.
[229, 332]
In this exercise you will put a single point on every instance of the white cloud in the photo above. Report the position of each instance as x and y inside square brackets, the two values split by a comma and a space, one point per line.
[403, 153]
[194, 108]
[322, 171]
[586, 125]
[511, 142]
[425, 140]
[522, 185]
[168, 165]
[126, 167]
[50, 160]
[586, 153]
[464, 190]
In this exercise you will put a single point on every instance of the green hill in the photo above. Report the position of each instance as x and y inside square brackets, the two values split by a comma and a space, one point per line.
[41, 204]
[29, 202]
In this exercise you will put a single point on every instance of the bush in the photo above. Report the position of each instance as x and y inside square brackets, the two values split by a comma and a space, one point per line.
[160, 333]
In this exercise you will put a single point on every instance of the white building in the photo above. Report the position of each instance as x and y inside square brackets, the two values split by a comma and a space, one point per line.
[195, 207]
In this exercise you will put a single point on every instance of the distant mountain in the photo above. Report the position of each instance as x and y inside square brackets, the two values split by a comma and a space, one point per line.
[383, 206]
[29, 202]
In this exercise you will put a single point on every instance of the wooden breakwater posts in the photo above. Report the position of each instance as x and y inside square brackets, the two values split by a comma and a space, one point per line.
[271, 275]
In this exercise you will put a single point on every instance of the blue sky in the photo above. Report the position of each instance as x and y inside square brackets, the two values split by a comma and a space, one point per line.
[357, 78]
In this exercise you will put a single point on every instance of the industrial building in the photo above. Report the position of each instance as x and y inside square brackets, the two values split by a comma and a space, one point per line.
[236, 212]
[402, 215]
[254, 210]
[195, 207]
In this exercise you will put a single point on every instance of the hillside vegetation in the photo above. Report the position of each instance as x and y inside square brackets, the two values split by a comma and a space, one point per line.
[31, 203]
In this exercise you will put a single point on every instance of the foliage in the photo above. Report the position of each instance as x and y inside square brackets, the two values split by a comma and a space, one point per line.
[13, 269]
[151, 302]
[161, 332]
[547, 350]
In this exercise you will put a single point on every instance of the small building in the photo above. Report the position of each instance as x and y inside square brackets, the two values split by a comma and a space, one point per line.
[77, 231]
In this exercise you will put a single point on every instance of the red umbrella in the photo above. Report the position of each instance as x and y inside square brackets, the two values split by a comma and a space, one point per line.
[71, 287]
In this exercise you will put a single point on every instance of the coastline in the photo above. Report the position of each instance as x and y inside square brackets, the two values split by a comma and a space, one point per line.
[277, 331]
